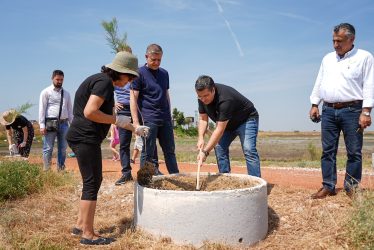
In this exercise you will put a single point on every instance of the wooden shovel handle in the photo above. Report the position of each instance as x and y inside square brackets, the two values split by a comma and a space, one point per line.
[198, 176]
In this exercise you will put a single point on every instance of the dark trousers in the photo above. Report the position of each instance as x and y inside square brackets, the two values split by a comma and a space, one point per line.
[164, 133]
[90, 165]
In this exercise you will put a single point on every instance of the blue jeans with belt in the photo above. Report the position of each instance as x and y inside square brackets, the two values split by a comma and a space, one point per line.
[163, 131]
[48, 144]
[333, 122]
[247, 133]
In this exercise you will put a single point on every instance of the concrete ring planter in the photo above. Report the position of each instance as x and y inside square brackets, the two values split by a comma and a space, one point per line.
[233, 217]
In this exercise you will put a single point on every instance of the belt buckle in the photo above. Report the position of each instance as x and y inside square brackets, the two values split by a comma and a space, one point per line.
[337, 105]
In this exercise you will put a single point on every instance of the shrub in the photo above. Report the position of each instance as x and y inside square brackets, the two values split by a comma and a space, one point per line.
[20, 178]
[361, 223]
[181, 132]
[314, 152]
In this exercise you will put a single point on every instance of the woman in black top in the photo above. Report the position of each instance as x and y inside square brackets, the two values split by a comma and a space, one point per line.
[20, 132]
[93, 115]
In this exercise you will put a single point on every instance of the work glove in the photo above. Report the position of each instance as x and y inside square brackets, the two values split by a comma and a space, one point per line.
[21, 145]
[13, 149]
[122, 120]
[142, 131]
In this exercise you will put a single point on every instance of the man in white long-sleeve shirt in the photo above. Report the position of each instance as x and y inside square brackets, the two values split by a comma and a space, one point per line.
[345, 86]
[49, 109]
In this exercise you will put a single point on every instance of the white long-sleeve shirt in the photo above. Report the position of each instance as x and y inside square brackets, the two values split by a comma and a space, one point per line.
[345, 79]
[49, 105]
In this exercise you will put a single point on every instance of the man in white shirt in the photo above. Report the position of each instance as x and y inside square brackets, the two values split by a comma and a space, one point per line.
[345, 86]
[50, 111]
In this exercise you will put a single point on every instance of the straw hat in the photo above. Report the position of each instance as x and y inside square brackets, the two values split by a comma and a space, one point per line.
[8, 117]
[124, 62]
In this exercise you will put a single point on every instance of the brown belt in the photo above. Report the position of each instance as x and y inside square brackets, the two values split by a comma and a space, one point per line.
[340, 105]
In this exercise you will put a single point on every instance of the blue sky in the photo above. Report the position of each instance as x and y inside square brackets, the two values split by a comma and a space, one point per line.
[269, 50]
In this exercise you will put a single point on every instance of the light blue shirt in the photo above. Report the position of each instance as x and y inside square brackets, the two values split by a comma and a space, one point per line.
[123, 94]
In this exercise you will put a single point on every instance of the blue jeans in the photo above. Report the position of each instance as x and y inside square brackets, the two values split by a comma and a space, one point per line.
[164, 133]
[247, 133]
[333, 122]
[48, 144]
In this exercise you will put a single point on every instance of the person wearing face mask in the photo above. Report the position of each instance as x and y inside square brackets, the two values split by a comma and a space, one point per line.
[345, 88]
[93, 116]
[55, 115]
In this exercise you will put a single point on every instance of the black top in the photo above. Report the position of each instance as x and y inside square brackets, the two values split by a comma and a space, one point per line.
[229, 104]
[19, 123]
[84, 130]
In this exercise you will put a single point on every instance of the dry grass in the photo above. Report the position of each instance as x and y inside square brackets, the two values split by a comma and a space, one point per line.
[298, 222]
[295, 221]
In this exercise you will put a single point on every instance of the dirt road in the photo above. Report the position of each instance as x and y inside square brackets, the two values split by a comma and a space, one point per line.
[285, 177]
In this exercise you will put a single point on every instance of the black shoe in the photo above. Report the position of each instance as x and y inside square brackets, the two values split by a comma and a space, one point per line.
[76, 231]
[124, 179]
[61, 168]
[158, 172]
[98, 241]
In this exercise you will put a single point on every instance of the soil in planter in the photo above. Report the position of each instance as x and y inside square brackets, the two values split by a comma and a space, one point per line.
[208, 183]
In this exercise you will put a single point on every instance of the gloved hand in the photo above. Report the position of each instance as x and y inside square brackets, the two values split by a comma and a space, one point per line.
[22, 144]
[13, 150]
[142, 131]
[122, 120]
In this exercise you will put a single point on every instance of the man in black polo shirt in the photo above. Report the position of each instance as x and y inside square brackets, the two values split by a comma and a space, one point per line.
[234, 115]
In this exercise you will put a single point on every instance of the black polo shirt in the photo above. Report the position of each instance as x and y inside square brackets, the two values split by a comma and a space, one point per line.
[229, 104]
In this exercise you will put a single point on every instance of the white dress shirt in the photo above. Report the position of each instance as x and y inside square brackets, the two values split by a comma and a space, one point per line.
[49, 105]
[345, 79]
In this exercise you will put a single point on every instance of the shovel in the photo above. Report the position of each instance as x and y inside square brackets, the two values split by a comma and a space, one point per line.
[198, 176]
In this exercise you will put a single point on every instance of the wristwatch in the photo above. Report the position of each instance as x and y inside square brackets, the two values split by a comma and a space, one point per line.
[206, 153]
[365, 113]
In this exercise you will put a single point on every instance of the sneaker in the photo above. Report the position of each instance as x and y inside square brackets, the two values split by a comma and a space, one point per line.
[124, 179]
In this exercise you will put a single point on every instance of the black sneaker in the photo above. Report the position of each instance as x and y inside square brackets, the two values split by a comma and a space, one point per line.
[124, 179]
